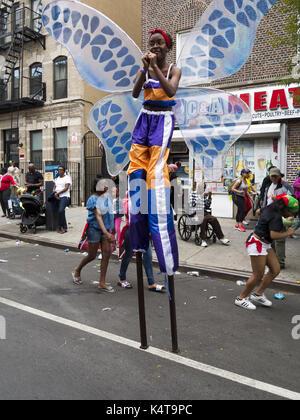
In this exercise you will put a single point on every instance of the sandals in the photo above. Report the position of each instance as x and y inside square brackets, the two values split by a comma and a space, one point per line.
[125, 285]
[76, 280]
[108, 289]
[158, 289]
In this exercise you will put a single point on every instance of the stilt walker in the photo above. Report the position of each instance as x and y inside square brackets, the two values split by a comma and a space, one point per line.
[210, 120]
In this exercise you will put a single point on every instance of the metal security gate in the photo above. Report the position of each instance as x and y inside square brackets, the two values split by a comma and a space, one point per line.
[94, 162]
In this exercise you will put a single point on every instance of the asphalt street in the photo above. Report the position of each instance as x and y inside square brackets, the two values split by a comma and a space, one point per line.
[45, 358]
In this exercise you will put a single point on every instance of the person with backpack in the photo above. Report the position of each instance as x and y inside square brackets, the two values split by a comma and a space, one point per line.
[239, 193]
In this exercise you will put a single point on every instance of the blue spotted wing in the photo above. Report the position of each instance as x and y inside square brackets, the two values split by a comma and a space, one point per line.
[210, 121]
[222, 40]
[112, 120]
[105, 56]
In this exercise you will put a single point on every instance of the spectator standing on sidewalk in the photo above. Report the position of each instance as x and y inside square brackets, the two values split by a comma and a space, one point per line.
[14, 171]
[268, 229]
[265, 184]
[277, 187]
[34, 181]
[100, 223]
[240, 191]
[61, 189]
[6, 181]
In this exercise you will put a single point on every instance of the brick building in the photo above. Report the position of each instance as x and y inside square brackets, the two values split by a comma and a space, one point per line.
[274, 135]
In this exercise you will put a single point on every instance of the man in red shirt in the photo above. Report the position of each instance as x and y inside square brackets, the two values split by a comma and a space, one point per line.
[6, 181]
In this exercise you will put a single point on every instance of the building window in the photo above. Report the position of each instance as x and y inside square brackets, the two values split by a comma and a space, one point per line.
[36, 79]
[61, 145]
[3, 26]
[181, 38]
[3, 91]
[16, 16]
[61, 78]
[36, 11]
[36, 155]
[15, 84]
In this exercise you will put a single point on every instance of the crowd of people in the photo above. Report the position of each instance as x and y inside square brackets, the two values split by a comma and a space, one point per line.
[278, 218]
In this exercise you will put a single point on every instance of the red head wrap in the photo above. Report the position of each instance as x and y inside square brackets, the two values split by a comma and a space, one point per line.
[159, 31]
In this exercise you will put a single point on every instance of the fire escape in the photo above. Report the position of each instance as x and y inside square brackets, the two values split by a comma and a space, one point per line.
[20, 26]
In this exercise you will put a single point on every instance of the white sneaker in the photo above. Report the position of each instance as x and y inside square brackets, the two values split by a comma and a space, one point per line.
[245, 223]
[225, 241]
[261, 299]
[245, 303]
[204, 244]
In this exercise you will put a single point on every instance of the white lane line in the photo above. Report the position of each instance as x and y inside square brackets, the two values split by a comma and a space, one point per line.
[224, 374]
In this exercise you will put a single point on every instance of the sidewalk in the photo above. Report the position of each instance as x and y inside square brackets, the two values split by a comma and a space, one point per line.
[217, 256]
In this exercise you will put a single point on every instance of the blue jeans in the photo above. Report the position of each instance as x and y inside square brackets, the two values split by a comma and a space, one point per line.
[61, 207]
[147, 261]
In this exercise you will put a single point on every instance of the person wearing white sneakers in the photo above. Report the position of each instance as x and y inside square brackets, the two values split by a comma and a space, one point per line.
[259, 246]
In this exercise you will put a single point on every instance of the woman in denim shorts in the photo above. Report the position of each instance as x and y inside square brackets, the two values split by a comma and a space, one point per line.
[100, 222]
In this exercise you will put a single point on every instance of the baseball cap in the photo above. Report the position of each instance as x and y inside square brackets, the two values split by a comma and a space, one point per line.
[275, 172]
[245, 171]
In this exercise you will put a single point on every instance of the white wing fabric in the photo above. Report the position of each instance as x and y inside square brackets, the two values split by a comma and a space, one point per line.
[210, 121]
[105, 56]
[112, 120]
[222, 40]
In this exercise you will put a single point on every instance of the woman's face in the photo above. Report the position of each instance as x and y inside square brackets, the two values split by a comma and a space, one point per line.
[275, 179]
[158, 46]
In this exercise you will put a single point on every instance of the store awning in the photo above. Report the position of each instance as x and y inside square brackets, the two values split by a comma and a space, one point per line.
[255, 130]
[263, 130]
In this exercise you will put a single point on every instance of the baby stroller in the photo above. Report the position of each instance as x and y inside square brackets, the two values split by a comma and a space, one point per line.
[32, 216]
[14, 208]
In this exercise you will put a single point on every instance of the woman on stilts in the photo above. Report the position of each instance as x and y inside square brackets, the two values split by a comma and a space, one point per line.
[149, 154]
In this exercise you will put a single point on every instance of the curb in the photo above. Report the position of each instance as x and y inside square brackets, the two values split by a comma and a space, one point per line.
[220, 273]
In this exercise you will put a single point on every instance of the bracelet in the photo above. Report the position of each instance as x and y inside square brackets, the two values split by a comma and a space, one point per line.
[143, 71]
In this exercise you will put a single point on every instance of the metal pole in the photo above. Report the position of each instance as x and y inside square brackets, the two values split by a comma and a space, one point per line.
[173, 315]
[142, 313]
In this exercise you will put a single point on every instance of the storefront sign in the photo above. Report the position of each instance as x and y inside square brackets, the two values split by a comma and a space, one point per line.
[272, 102]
